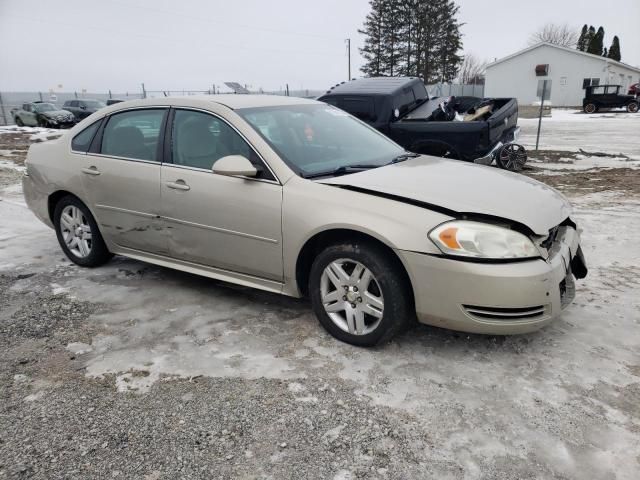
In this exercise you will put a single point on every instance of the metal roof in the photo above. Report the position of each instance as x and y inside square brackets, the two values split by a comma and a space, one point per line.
[570, 50]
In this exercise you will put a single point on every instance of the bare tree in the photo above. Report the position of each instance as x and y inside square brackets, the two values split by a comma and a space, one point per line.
[561, 35]
[472, 70]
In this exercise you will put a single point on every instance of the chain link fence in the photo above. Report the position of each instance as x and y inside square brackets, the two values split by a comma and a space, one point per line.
[455, 90]
[14, 100]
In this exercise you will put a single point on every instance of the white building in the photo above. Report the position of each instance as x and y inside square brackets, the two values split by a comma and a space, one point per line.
[520, 75]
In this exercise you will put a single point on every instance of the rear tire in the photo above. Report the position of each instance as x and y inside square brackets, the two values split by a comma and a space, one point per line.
[632, 107]
[78, 233]
[359, 294]
[590, 108]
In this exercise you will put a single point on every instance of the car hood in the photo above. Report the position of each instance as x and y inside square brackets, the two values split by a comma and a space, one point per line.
[56, 113]
[465, 188]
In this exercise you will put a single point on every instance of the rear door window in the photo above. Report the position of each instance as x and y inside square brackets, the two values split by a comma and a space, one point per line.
[133, 134]
[362, 107]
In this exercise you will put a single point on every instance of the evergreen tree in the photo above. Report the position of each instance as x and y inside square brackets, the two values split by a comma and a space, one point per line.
[372, 50]
[412, 38]
[582, 41]
[605, 53]
[450, 59]
[614, 51]
[596, 45]
[591, 33]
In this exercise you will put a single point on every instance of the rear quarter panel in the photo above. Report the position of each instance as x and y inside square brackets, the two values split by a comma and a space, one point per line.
[52, 167]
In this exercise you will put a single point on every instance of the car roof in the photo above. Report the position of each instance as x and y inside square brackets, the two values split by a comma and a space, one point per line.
[232, 101]
[373, 86]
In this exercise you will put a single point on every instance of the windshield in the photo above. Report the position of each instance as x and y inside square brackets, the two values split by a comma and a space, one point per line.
[44, 107]
[94, 104]
[313, 139]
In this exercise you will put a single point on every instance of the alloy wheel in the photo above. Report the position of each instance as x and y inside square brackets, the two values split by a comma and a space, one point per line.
[76, 231]
[351, 296]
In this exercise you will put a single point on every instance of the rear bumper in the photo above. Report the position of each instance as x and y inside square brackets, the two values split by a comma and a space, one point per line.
[511, 137]
[500, 299]
[37, 200]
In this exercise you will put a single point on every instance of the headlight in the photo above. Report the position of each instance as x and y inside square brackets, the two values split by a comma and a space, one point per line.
[481, 240]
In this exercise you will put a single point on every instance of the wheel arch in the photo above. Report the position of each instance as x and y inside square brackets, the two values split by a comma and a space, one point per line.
[55, 197]
[320, 240]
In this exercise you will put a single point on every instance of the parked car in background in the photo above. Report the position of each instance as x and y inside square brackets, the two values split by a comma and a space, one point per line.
[634, 90]
[300, 198]
[113, 101]
[607, 96]
[41, 114]
[465, 128]
[83, 108]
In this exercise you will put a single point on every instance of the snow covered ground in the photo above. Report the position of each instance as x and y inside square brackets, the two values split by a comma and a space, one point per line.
[560, 403]
[611, 132]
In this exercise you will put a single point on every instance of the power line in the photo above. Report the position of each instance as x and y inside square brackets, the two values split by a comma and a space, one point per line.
[221, 22]
[179, 40]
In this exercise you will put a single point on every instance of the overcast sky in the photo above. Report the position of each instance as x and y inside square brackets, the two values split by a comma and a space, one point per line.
[191, 44]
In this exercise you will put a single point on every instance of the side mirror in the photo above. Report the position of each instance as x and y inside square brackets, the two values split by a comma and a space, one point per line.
[234, 165]
[82, 107]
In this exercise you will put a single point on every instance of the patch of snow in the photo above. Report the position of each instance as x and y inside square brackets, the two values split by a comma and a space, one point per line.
[47, 135]
[16, 129]
[12, 166]
[34, 396]
[587, 162]
[570, 130]
[79, 348]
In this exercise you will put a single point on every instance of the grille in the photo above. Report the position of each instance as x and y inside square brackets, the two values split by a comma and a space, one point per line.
[505, 314]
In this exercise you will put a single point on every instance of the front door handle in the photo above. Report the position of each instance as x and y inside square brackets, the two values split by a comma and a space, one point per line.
[178, 185]
[91, 171]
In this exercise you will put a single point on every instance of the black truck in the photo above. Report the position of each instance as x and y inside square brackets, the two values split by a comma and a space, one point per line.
[464, 128]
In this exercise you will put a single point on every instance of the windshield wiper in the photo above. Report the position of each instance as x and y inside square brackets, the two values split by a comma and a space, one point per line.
[343, 170]
[404, 156]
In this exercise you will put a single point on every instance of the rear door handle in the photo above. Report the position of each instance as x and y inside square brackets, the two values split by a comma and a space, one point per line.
[91, 171]
[178, 185]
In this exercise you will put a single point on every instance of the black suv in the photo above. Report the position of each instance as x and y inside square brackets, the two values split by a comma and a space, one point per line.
[83, 108]
[607, 96]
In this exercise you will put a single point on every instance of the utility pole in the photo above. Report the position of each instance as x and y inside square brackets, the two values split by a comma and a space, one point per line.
[348, 40]
[544, 93]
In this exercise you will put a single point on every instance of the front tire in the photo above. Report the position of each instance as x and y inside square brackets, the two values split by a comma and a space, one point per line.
[19, 122]
[632, 107]
[590, 108]
[359, 293]
[512, 157]
[78, 233]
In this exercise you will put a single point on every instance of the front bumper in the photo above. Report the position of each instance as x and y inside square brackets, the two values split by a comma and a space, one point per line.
[488, 159]
[489, 298]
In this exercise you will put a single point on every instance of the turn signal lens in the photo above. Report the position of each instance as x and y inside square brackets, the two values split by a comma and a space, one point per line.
[448, 237]
[482, 240]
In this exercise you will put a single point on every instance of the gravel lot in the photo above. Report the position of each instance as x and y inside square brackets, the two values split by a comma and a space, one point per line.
[136, 371]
